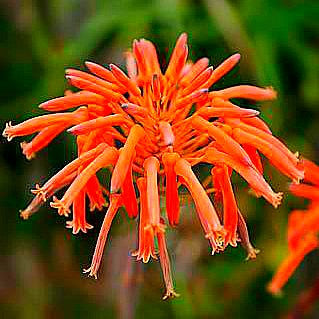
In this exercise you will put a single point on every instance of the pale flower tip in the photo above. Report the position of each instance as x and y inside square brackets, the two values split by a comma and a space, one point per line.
[252, 254]
[39, 192]
[30, 157]
[5, 133]
[75, 231]
[88, 64]
[24, 214]
[134, 253]
[24, 146]
[272, 93]
[277, 199]
[235, 57]
[299, 178]
[183, 37]
[69, 224]
[70, 130]
[112, 66]
[275, 291]
[68, 71]
[170, 294]
[91, 274]
[59, 205]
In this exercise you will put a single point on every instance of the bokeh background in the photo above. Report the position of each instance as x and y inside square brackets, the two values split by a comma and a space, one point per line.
[41, 262]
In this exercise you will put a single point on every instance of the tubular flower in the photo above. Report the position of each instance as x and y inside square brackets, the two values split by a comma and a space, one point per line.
[303, 227]
[150, 128]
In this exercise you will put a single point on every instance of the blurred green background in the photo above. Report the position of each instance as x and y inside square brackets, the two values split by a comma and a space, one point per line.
[41, 262]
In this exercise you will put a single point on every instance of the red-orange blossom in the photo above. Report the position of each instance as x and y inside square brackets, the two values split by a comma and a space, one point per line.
[151, 127]
[303, 227]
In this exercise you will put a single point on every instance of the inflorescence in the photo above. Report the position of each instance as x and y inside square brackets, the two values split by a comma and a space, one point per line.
[149, 128]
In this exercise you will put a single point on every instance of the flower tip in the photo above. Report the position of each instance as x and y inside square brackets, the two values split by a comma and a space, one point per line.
[113, 67]
[24, 214]
[277, 199]
[183, 37]
[71, 130]
[91, 274]
[39, 192]
[204, 91]
[293, 187]
[272, 93]
[274, 290]
[69, 78]
[5, 132]
[59, 205]
[26, 151]
[68, 71]
[135, 45]
[237, 56]
[170, 294]
[252, 254]
[89, 64]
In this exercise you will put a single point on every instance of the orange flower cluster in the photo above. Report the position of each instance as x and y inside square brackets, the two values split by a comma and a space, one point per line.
[303, 227]
[150, 128]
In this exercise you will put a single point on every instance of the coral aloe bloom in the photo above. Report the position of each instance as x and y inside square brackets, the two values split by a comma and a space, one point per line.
[151, 127]
[303, 227]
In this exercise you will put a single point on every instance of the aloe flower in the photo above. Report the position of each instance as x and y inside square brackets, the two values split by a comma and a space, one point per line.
[150, 128]
[303, 227]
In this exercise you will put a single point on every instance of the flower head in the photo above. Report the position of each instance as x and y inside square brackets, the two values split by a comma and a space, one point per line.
[150, 127]
[303, 227]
